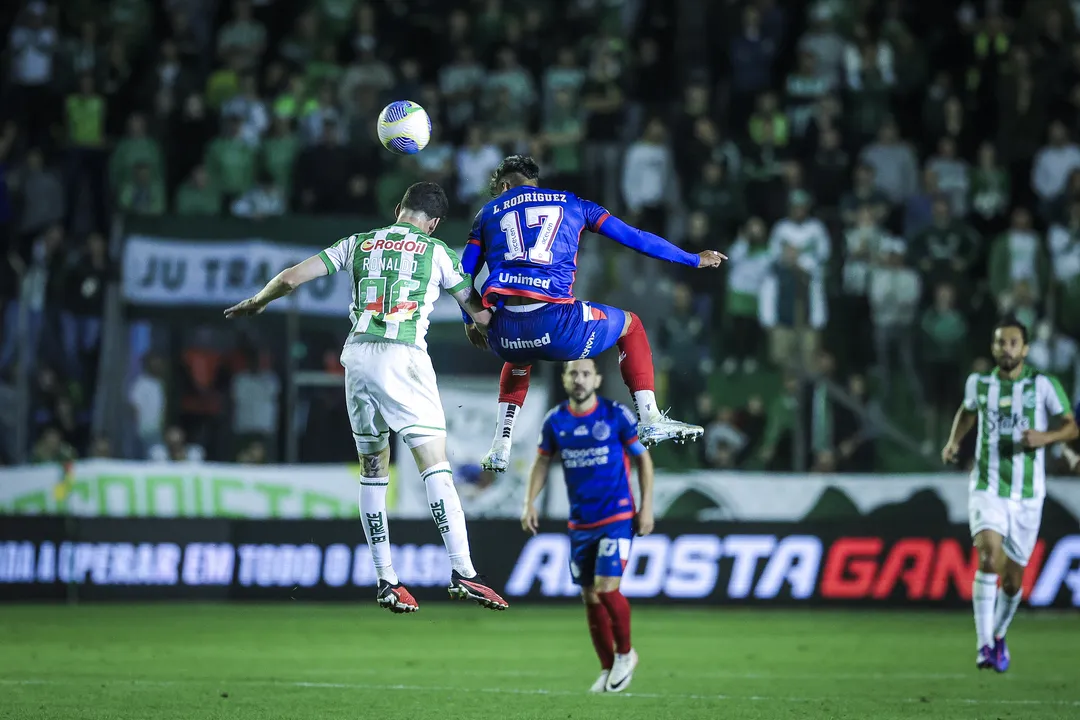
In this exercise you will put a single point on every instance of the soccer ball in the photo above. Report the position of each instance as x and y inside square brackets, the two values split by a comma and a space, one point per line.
[404, 127]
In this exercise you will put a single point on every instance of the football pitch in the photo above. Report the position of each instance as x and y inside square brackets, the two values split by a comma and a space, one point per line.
[456, 661]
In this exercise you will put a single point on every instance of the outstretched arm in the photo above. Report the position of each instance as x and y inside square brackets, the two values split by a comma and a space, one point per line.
[653, 245]
[283, 283]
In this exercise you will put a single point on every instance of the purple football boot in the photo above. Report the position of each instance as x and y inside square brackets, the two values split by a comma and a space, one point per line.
[985, 659]
[1001, 655]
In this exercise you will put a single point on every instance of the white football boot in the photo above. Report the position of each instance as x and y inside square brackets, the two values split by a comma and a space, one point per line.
[601, 682]
[656, 431]
[621, 672]
[498, 457]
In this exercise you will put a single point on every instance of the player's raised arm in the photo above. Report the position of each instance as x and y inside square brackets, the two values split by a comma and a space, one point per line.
[283, 283]
[964, 420]
[602, 222]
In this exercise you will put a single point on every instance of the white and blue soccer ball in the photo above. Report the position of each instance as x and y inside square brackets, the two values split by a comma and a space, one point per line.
[404, 127]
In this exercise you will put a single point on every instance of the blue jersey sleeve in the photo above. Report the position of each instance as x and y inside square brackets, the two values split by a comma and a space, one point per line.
[595, 215]
[645, 242]
[472, 259]
[627, 426]
[546, 445]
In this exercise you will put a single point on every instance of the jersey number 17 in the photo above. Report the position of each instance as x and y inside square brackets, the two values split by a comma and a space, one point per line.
[546, 217]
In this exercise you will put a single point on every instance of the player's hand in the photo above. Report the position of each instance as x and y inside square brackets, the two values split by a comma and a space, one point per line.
[476, 336]
[247, 308]
[711, 258]
[1033, 439]
[644, 522]
[949, 453]
[530, 519]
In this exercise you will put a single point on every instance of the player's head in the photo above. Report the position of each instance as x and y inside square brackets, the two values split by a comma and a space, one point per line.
[424, 204]
[512, 172]
[581, 379]
[1010, 346]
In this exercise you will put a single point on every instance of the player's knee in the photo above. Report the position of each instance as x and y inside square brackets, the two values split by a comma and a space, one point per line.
[1011, 584]
[374, 464]
[990, 557]
[590, 596]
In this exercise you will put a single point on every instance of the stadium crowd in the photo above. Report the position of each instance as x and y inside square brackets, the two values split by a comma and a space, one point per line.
[886, 177]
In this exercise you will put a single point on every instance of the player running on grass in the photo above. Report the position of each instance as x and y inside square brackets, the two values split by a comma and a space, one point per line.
[397, 274]
[1014, 407]
[528, 237]
[593, 438]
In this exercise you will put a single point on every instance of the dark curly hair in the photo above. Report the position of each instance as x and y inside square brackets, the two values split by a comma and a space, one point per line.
[523, 166]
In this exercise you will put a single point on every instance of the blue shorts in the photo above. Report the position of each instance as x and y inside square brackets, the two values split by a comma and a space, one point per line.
[556, 332]
[601, 551]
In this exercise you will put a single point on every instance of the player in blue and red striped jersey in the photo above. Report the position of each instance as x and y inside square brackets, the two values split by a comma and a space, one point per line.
[594, 439]
[528, 236]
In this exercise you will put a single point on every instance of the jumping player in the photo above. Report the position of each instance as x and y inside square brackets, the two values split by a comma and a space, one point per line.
[594, 439]
[529, 238]
[397, 273]
[1015, 407]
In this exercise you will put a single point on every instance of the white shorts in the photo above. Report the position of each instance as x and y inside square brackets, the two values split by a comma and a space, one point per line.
[1017, 521]
[391, 386]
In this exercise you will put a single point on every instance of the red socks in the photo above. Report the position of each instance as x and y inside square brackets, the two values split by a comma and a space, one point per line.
[619, 610]
[514, 384]
[635, 357]
[600, 630]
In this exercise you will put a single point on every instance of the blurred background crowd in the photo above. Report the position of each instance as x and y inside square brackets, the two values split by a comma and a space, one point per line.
[887, 177]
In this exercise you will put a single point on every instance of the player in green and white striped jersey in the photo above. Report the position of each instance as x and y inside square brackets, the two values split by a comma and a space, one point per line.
[397, 274]
[1019, 412]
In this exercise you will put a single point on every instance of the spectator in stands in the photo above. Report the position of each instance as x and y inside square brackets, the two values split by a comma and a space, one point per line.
[300, 46]
[603, 102]
[804, 89]
[752, 56]
[777, 442]
[166, 86]
[563, 131]
[723, 440]
[894, 164]
[27, 319]
[763, 169]
[944, 331]
[945, 251]
[197, 195]
[84, 307]
[869, 79]
[32, 47]
[863, 243]
[895, 291]
[255, 389]
[175, 448]
[143, 195]
[193, 127]
[100, 448]
[822, 424]
[265, 200]
[85, 116]
[231, 161]
[147, 398]
[953, 175]
[1055, 352]
[805, 233]
[648, 179]
[134, 149]
[857, 428]
[40, 196]
[475, 161]
[767, 115]
[824, 44]
[247, 107]
[565, 75]
[991, 194]
[751, 263]
[1053, 165]
[864, 193]
[1064, 242]
[683, 350]
[1017, 256]
[52, 448]
[791, 307]
[919, 208]
[829, 168]
[720, 196]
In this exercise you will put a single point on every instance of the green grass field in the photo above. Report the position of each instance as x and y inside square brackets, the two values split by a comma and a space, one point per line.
[451, 662]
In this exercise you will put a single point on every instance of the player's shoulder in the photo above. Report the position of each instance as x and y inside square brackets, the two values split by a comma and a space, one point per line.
[555, 412]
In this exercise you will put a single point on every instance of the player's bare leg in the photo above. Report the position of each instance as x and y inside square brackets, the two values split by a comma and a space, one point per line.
[1008, 600]
[603, 638]
[984, 594]
[513, 387]
[445, 506]
[606, 590]
[374, 481]
[636, 367]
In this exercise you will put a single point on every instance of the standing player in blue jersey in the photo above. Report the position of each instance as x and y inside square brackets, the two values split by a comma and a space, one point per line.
[594, 439]
[528, 237]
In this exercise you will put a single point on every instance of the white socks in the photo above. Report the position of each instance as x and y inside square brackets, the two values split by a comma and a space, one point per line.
[983, 596]
[504, 431]
[448, 516]
[377, 525]
[645, 404]
[1004, 611]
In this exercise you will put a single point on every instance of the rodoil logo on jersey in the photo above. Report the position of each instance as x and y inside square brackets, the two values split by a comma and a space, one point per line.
[521, 344]
[404, 244]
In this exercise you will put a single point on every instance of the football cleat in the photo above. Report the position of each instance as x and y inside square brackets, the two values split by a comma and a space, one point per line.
[396, 598]
[1001, 655]
[497, 458]
[475, 589]
[622, 671]
[664, 428]
[601, 682]
[985, 659]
